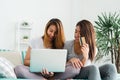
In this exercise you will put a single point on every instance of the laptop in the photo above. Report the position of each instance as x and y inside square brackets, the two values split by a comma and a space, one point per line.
[54, 60]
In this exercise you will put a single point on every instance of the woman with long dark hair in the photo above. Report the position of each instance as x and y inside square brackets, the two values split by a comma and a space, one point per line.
[85, 53]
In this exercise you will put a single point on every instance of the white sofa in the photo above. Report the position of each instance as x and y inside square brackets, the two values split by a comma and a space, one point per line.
[13, 56]
[16, 58]
[8, 60]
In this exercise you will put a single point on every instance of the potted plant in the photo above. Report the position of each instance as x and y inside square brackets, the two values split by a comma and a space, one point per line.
[25, 38]
[25, 24]
[108, 36]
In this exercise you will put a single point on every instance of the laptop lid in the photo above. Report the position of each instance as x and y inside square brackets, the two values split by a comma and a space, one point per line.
[54, 60]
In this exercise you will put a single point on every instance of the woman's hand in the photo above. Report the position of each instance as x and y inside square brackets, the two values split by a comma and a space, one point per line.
[76, 62]
[85, 51]
[46, 73]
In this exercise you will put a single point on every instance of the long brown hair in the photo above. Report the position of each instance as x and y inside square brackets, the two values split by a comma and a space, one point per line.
[87, 30]
[59, 39]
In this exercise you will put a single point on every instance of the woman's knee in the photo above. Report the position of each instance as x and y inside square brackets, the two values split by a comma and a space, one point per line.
[20, 69]
[75, 71]
[93, 68]
[109, 68]
[94, 71]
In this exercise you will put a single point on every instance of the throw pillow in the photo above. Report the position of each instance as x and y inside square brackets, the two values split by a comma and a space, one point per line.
[23, 56]
[6, 69]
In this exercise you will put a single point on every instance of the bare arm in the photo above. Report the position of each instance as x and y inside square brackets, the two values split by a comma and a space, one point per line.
[85, 51]
[27, 57]
[83, 61]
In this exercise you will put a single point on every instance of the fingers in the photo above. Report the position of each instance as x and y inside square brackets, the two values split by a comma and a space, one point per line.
[76, 63]
[85, 47]
[81, 64]
[73, 64]
[85, 50]
[46, 73]
[51, 73]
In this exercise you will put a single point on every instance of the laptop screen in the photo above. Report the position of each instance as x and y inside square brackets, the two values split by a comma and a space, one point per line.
[53, 60]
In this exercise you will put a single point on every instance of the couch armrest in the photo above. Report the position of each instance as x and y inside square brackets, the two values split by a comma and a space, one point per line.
[14, 57]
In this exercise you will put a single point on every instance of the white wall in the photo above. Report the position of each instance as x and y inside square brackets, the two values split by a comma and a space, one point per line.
[89, 9]
[38, 12]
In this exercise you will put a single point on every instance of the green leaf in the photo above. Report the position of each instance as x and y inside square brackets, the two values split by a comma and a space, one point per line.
[107, 33]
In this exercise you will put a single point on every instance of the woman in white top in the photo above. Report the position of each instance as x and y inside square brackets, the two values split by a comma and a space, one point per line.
[85, 53]
[53, 38]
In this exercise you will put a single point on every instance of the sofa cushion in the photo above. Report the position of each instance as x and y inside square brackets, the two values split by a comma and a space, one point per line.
[13, 56]
[23, 56]
[6, 68]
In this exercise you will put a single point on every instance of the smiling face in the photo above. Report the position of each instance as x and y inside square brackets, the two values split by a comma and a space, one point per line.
[51, 32]
[77, 34]
[54, 34]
